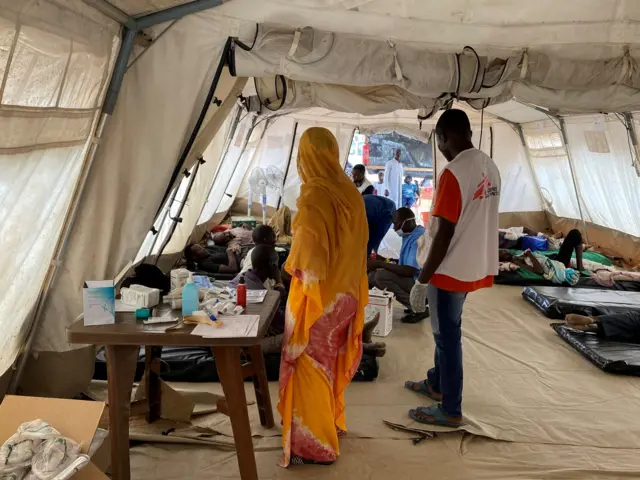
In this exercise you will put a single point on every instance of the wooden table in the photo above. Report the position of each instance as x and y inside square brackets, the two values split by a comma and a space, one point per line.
[122, 341]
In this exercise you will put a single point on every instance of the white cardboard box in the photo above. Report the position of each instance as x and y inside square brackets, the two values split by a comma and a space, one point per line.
[99, 302]
[381, 301]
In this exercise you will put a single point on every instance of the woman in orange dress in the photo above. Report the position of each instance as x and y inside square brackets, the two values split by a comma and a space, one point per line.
[322, 346]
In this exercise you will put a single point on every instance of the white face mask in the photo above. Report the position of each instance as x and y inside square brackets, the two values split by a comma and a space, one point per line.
[399, 230]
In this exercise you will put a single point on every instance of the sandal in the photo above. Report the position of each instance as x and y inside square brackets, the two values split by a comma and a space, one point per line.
[434, 415]
[424, 388]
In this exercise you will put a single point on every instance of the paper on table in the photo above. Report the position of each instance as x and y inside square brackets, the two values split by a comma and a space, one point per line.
[256, 296]
[232, 326]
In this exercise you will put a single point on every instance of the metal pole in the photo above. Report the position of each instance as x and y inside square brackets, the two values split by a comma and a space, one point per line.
[59, 249]
[491, 141]
[518, 129]
[175, 13]
[286, 170]
[631, 129]
[565, 140]
[346, 157]
[196, 129]
[113, 12]
[177, 219]
[119, 69]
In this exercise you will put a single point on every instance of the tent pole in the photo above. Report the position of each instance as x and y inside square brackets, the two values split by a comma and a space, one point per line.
[223, 156]
[565, 139]
[60, 247]
[119, 69]
[518, 129]
[491, 141]
[174, 13]
[631, 128]
[196, 129]
[107, 109]
[346, 157]
[177, 218]
[286, 170]
[113, 12]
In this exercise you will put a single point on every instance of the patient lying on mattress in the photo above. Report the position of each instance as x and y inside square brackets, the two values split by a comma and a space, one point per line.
[218, 259]
[619, 327]
[556, 267]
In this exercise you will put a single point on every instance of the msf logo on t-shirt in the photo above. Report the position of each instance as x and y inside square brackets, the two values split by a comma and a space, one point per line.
[485, 189]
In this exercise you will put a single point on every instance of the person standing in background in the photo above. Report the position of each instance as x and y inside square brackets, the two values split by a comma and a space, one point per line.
[393, 176]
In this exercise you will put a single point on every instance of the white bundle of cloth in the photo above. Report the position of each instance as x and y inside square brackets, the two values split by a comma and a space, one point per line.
[37, 451]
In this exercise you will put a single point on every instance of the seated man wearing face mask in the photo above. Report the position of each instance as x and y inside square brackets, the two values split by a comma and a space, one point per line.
[400, 277]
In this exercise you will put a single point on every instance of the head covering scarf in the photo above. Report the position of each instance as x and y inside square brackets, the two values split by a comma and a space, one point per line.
[327, 261]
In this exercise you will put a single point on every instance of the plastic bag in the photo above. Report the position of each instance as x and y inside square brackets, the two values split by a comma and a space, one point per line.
[38, 430]
[16, 453]
[54, 456]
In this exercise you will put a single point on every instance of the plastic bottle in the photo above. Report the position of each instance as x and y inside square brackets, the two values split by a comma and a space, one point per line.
[189, 297]
[241, 293]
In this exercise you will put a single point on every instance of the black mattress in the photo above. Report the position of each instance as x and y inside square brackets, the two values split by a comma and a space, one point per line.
[609, 356]
[515, 279]
[557, 302]
[197, 364]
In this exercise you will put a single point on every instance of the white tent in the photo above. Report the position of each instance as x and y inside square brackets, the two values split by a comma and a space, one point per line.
[83, 190]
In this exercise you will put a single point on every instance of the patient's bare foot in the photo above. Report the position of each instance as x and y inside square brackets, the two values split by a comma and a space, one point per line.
[579, 322]
[369, 327]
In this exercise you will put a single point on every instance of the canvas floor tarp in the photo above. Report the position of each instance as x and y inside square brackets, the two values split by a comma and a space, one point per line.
[553, 414]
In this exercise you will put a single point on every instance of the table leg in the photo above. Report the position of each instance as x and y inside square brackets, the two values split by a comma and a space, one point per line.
[153, 385]
[121, 370]
[261, 386]
[230, 373]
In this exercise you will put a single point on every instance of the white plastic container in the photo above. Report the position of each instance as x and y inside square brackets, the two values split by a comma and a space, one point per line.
[140, 296]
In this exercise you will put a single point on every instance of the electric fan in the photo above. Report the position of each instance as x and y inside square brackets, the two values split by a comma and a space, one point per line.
[262, 180]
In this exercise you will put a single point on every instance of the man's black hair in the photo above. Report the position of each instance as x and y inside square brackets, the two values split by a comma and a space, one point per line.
[453, 121]
[404, 213]
[262, 233]
[359, 168]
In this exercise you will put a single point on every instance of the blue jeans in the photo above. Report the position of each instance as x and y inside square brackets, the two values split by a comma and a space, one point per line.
[446, 323]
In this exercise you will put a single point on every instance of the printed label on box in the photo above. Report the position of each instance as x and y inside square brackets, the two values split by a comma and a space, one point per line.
[99, 302]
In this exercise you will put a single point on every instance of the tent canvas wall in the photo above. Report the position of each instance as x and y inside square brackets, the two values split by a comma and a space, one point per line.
[86, 193]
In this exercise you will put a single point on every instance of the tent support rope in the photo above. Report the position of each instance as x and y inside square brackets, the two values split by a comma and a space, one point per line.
[286, 170]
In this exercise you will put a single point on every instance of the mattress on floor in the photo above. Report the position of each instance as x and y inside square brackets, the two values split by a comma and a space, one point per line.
[609, 356]
[533, 280]
[556, 302]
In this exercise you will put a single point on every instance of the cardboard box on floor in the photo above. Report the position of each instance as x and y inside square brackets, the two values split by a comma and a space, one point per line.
[76, 419]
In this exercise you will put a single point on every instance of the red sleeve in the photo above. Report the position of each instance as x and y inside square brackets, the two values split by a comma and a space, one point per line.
[448, 202]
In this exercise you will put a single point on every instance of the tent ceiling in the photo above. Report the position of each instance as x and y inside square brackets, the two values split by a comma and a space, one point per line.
[141, 7]
[576, 26]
